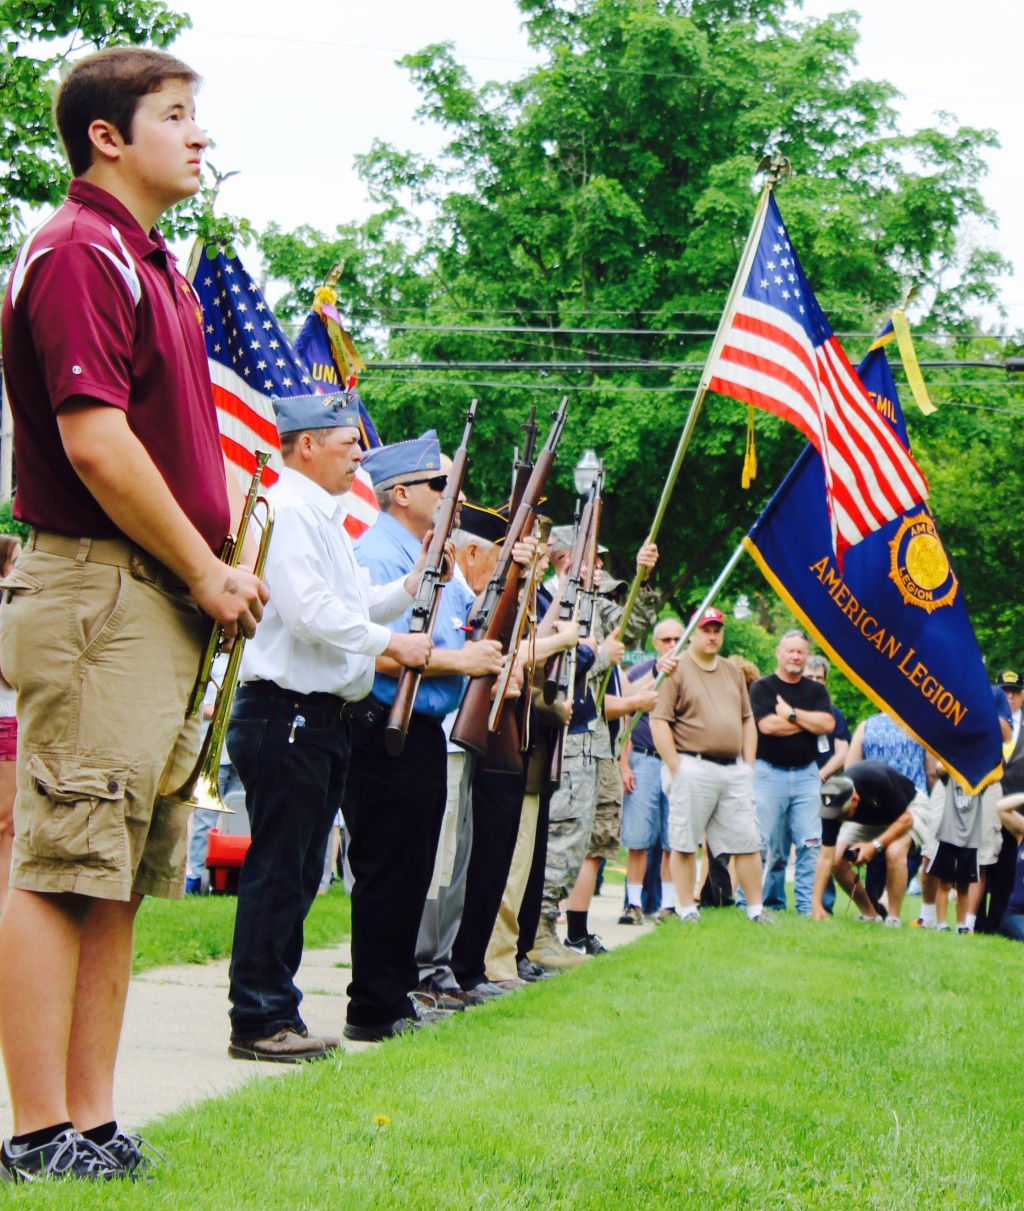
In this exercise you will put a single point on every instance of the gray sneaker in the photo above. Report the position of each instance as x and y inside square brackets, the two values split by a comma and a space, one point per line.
[632, 914]
[127, 1149]
[666, 914]
[69, 1155]
[893, 922]
[689, 918]
[764, 917]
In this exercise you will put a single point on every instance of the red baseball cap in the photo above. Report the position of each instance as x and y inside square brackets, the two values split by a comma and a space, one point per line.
[711, 615]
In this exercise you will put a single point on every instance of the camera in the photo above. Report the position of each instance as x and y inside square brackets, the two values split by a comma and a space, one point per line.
[850, 854]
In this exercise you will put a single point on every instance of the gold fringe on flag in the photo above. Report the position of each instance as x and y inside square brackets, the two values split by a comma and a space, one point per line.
[346, 358]
[750, 454]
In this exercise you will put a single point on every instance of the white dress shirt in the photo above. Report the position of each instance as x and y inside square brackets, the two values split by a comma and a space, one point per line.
[322, 626]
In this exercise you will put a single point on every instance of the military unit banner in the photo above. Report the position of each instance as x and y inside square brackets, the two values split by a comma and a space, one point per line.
[893, 618]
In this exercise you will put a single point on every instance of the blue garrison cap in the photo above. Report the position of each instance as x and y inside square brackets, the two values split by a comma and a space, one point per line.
[406, 462]
[315, 412]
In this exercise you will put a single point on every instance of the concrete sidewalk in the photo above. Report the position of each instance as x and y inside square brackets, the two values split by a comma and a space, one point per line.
[174, 1047]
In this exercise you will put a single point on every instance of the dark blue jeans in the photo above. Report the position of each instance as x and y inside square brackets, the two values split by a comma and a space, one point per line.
[1013, 926]
[294, 779]
[393, 812]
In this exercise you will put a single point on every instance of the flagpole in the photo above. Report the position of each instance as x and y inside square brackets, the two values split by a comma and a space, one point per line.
[194, 259]
[776, 168]
[688, 630]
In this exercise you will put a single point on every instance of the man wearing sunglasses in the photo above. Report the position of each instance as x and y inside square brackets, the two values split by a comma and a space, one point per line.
[394, 805]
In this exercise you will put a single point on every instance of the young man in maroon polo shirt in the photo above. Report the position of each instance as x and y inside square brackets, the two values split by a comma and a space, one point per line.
[121, 477]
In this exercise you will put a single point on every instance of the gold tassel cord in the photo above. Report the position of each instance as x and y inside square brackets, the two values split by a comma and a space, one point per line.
[750, 454]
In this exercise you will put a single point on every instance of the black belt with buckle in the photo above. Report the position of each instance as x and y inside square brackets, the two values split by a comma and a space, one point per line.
[647, 752]
[333, 703]
[709, 757]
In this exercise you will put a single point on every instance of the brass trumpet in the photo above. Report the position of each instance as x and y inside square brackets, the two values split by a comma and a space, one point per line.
[201, 787]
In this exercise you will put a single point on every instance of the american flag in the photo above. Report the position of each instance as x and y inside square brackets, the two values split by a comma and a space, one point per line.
[252, 360]
[776, 350]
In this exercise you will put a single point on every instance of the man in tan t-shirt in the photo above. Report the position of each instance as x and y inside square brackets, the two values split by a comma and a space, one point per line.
[705, 734]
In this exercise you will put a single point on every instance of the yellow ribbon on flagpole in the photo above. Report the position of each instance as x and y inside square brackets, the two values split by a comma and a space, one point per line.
[908, 356]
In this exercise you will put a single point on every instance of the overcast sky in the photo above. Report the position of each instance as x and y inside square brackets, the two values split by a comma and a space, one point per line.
[293, 91]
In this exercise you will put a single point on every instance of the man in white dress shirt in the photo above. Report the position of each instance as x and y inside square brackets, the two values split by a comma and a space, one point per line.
[289, 735]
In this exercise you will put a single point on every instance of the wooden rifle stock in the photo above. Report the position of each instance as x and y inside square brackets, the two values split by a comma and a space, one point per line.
[496, 615]
[556, 746]
[428, 596]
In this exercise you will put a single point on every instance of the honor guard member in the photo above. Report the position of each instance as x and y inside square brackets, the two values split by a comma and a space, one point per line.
[121, 477]
[289, 733]
[477, 540]
[394, 805]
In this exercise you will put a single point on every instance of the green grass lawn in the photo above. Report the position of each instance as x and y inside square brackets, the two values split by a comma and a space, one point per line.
[199, 928]
[718, 1066]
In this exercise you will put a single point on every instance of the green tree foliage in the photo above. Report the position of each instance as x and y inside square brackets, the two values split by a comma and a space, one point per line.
[603, 199]
[37, 40]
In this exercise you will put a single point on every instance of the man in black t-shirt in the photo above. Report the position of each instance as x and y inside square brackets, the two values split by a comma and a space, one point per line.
[871, 810]
[791, 712]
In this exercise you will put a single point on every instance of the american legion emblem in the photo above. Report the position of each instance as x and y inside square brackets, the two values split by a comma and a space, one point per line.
[918, 565]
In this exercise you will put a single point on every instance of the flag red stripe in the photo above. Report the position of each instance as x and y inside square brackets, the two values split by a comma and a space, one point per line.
[264, 429]
[866, 451]
[878, 481]
[909, 474]
[808, 389]
[244, 458]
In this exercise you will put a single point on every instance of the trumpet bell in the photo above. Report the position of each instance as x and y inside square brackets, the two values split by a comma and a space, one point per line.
[206, 795]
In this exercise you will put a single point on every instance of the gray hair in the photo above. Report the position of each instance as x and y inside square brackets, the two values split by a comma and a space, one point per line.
[385, 497]
[464, 538]
[794, 633]
[819, 662]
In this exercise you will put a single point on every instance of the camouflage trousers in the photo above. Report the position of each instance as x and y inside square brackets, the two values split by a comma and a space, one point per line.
[570, 824]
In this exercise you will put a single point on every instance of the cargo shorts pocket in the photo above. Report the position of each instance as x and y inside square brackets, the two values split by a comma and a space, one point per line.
[74, 810]
[19, 582]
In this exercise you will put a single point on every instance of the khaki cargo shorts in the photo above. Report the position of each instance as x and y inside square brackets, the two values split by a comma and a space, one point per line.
[605, 837]
[102, 645]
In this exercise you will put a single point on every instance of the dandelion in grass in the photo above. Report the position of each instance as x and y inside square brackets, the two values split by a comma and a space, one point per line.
[381, 1120]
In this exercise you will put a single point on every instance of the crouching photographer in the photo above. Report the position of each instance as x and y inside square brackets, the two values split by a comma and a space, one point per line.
[869, 809]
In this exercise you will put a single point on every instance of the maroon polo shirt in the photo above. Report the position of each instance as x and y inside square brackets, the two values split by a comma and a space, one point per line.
[96, 307]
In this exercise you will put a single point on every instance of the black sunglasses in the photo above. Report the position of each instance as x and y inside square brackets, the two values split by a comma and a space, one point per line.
[437, 484]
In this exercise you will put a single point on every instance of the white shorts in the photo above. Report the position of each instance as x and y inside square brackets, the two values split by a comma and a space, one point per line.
[714, 801]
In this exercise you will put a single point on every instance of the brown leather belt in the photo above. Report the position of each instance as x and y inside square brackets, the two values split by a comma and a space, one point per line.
[114, 552]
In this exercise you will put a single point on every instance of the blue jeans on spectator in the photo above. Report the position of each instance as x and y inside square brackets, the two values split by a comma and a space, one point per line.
[1013, 926]
[294, 779]
[645, 823]
[645, 808]
[787, 802]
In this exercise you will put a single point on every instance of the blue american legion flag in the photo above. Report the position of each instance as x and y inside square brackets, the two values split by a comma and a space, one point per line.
[314, 349]
[893, 618]
[251, 361]
[776, 350]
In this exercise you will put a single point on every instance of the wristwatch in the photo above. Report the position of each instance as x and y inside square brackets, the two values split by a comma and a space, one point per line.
[792, 716]
[878, 846]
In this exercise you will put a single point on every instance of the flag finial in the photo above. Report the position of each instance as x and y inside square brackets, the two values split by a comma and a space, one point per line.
[777, 167]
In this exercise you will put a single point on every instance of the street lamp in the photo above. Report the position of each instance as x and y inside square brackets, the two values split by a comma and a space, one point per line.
[585, 472]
